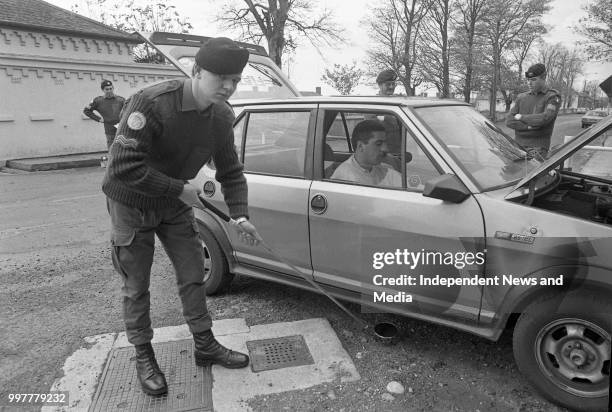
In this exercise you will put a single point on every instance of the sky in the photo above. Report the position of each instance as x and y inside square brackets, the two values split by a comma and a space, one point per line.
[308, 64]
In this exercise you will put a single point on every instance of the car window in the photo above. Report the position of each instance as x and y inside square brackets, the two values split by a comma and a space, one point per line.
[408, 169]
[275, 142]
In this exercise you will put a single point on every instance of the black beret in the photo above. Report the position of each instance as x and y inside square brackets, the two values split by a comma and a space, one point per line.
[386, 76]
[222, 56]
[535, 70]
[105, 83]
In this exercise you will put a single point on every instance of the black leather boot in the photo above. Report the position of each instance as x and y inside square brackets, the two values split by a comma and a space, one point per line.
[151, 378]
[209, 351]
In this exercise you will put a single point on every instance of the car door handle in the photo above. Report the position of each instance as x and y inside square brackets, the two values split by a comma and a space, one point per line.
[318, 204]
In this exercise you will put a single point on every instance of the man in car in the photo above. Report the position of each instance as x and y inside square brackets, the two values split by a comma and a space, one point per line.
[365, 165]
[167, 132]
[109, 107]
[533, 114]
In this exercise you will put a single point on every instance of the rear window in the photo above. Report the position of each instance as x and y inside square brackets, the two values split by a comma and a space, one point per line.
[258, 82]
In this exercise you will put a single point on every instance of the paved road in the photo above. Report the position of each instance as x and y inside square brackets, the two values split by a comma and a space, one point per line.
[48, 210]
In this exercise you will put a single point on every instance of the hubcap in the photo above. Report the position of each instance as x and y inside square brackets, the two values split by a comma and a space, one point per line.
[575, 355]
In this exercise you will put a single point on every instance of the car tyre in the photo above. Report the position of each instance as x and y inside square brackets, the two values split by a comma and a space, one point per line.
[561, 344]
[217, 277]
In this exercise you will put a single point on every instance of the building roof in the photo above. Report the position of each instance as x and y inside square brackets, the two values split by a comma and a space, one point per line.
[39, 15]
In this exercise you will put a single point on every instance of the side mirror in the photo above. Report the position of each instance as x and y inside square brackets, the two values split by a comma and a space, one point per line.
[447, 187]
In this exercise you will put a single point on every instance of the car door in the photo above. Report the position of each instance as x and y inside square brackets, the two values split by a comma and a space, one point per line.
[351, 224]
[275, 146]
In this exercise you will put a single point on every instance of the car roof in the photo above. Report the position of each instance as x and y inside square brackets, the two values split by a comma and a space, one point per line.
[384, 100]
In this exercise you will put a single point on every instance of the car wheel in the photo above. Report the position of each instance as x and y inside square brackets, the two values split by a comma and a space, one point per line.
[562, 345]
[216, 270]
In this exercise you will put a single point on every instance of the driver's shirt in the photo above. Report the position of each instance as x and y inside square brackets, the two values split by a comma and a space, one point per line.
[379, 175]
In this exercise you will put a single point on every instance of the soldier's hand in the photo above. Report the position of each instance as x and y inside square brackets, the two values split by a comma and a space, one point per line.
[189, 195]
[101, 120]
[246, 231]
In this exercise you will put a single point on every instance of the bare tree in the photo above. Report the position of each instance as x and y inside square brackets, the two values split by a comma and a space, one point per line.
[562, 68]
[136, 15]
[396, 29]
[597, 28]
[343, 78]
[521, 45]
[470, 13]
[281, 23]
[504, 21]
[437, 46]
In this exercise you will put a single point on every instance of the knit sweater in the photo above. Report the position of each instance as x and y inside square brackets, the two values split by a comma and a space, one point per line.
[163, 140]
[539, 112]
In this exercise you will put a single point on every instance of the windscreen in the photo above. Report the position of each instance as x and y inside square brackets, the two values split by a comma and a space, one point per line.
[481, 149]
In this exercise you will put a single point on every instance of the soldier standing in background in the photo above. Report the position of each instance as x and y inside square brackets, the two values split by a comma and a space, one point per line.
[109, 108]
[533, 114]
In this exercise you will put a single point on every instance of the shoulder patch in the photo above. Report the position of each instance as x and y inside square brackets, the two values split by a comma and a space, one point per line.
[136, 121]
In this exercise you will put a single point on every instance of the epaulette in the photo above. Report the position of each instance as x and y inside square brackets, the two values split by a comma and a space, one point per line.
[156, 90]
[554, 91]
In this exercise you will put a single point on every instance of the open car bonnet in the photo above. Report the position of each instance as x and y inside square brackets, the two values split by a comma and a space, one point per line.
[568, 149]
[260, 79]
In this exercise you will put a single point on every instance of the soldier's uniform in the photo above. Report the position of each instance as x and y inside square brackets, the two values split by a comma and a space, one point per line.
[162, 141]
[538, 112]
[110, 109]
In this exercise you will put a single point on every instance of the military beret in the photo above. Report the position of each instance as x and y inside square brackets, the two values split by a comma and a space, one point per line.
[535, 70]
[386, 76]
[105, 83]
[221, 55]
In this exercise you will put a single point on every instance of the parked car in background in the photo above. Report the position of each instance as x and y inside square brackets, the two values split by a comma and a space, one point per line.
[581, 110]
[592, 116]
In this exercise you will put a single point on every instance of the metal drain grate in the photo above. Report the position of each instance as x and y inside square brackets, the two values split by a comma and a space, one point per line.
[189, 386]
[278, 353]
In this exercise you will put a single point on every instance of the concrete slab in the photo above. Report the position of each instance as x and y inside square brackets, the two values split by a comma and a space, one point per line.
[83, 369]
[331, 363]
[56, 162]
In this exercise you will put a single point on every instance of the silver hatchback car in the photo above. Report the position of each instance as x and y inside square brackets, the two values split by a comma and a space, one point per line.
[474, 233]
[477, 235]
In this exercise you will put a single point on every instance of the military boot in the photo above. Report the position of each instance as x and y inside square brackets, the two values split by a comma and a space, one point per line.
[209, 351]
[151, 378]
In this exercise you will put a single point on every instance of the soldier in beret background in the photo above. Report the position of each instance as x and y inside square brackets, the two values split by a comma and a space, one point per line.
[109, 107]
[167, 132]
[533, 113]
[386, 81]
